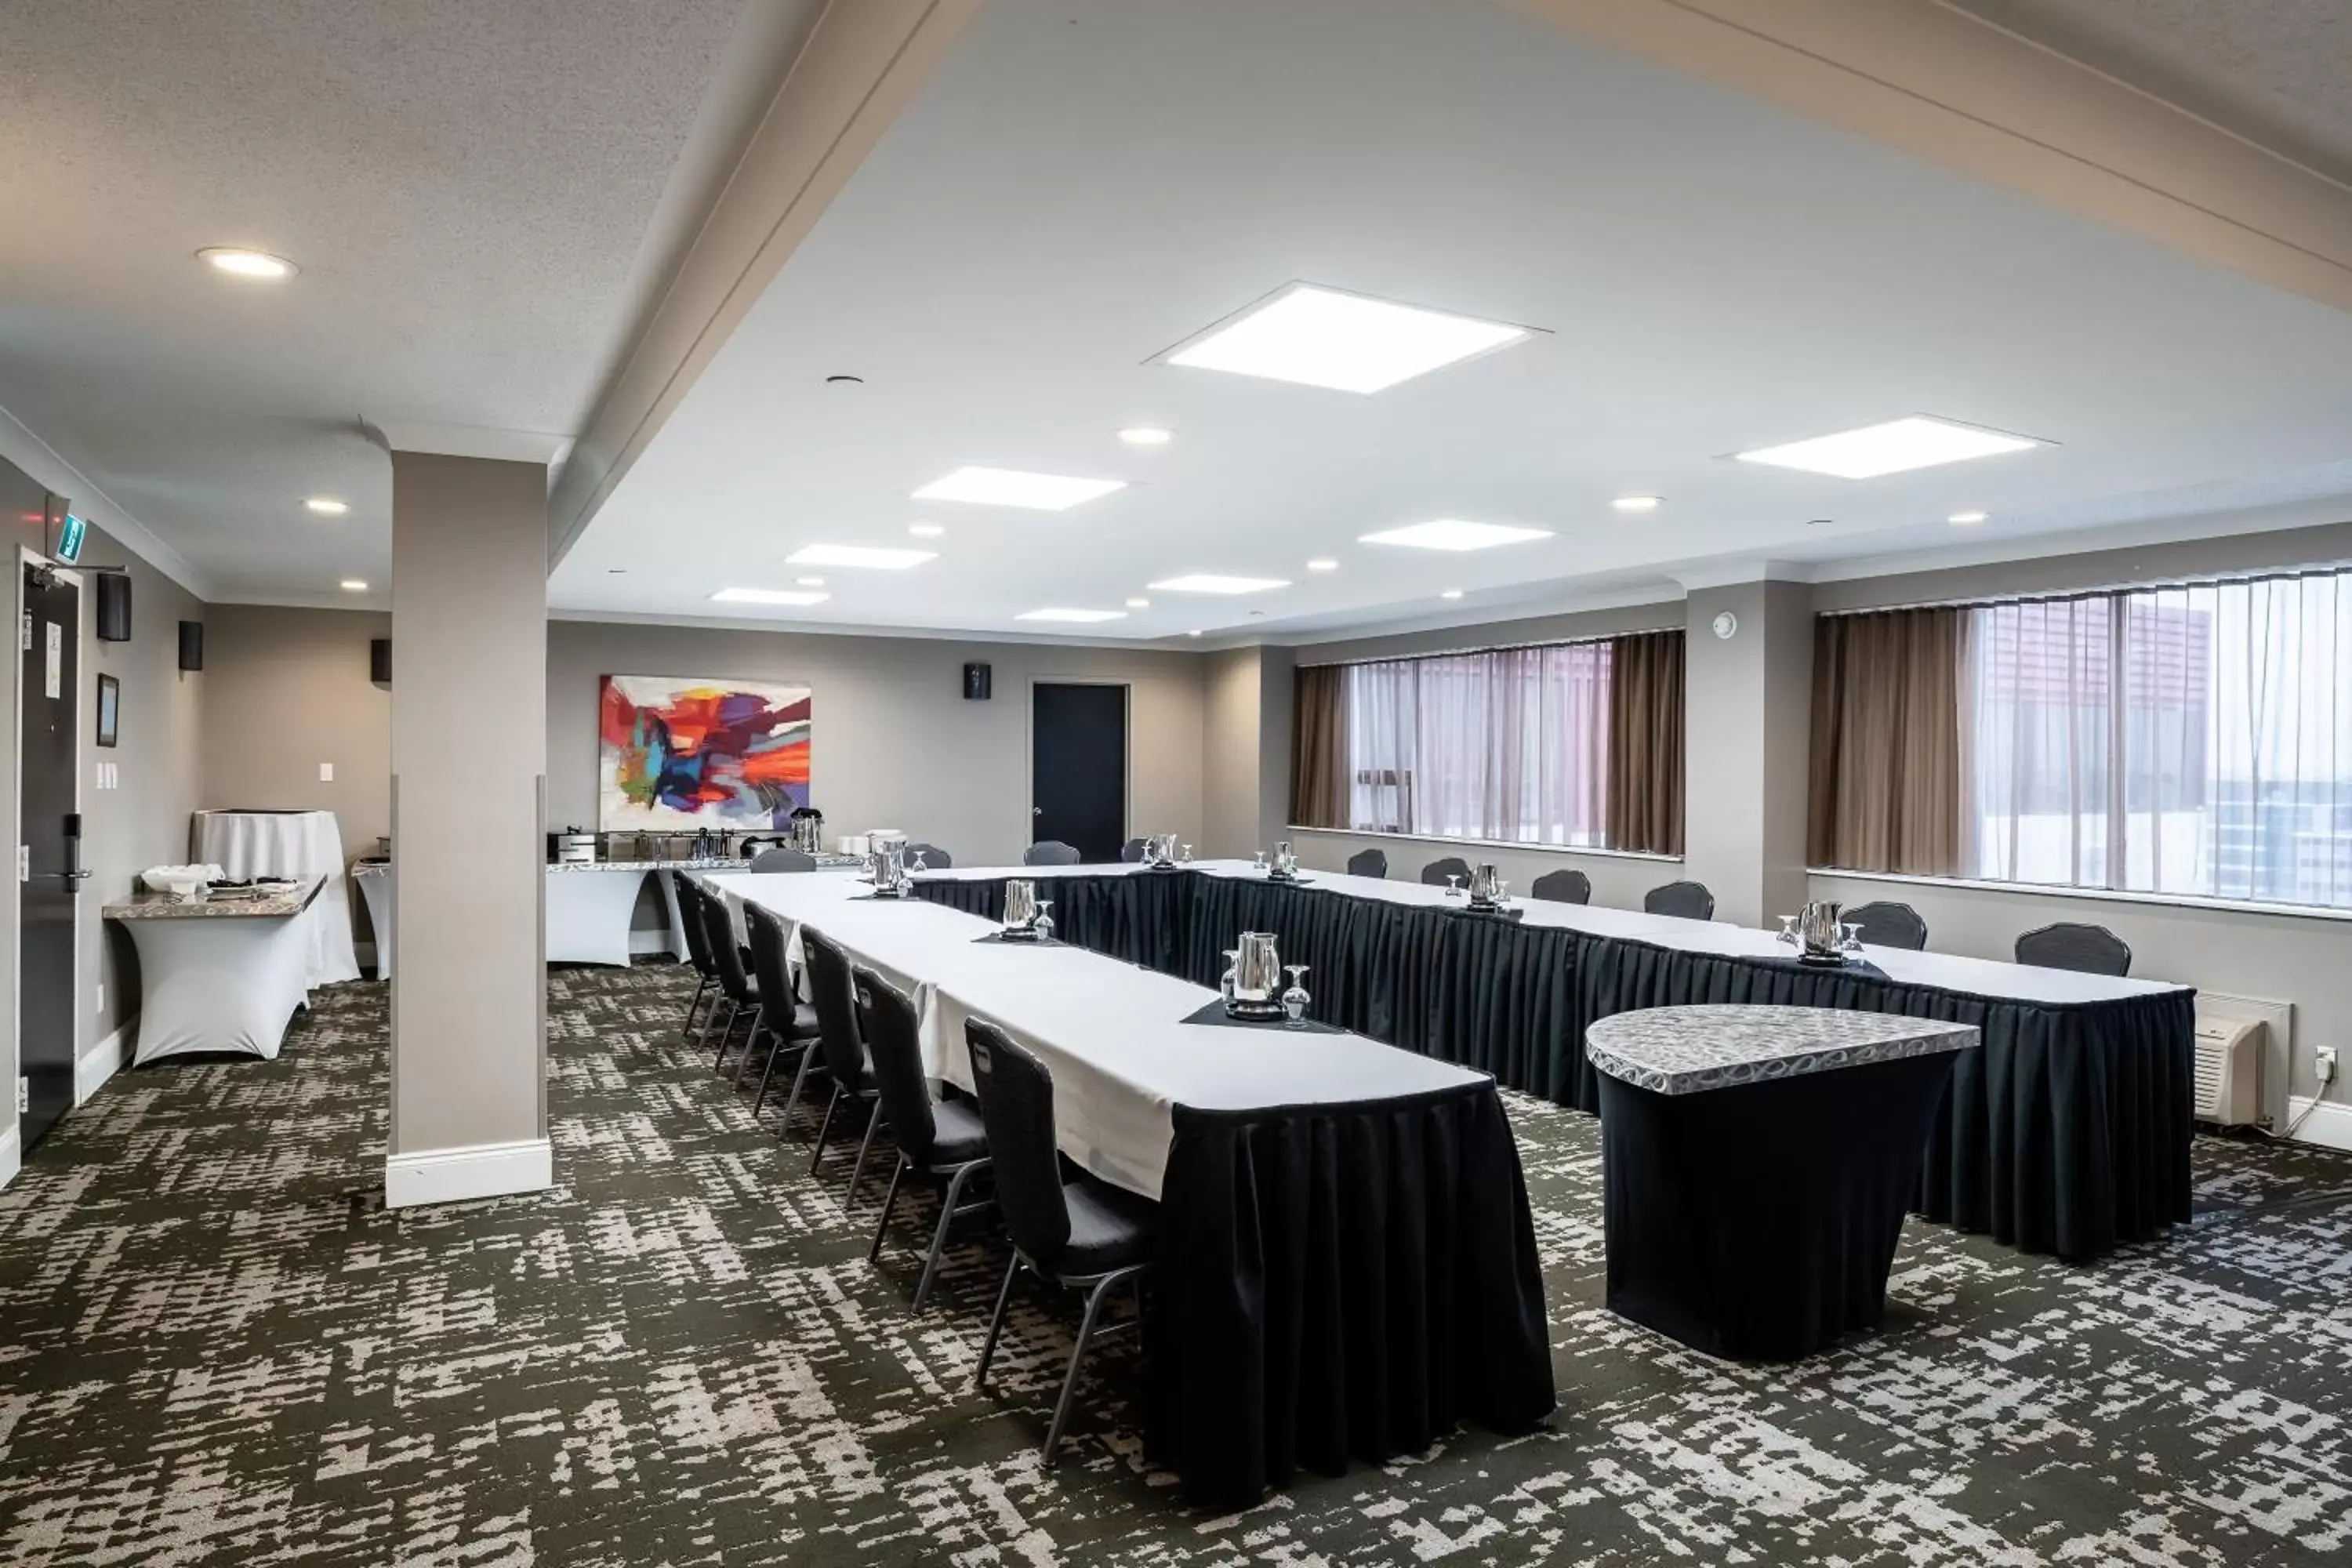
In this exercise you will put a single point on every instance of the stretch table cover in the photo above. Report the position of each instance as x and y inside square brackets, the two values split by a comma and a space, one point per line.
[248, 844]
[1347, 1264]
[2068, 1132]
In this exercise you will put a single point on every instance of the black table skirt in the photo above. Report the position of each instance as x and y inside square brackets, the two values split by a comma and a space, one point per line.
[2067, 1133]
[1340, 1283]
[1759, 1220]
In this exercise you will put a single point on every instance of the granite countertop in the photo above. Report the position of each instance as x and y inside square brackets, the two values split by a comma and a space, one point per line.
[235, 903]
[1685, 1051]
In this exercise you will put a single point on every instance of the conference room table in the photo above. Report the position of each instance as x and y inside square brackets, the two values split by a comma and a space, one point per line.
[1347, 1267]
[2067, 1132]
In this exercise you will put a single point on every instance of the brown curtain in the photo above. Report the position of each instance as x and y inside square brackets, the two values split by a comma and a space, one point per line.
[1318, 747]
[1887, 792]
[1645, 742]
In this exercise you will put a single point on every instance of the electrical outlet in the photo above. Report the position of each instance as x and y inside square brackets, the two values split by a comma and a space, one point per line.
[24, 1095]
[326, 772]
[100, 1004]
[2324, 1064]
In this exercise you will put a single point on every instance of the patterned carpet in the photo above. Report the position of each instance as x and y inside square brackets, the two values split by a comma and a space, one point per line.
[213, 1349]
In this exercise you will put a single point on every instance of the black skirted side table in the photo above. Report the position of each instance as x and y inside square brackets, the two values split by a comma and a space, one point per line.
[1756, 1164]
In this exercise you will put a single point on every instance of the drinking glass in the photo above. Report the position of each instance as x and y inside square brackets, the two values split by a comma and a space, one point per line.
[1788, 929]
[1853, 939]
[1258, 858]
[1044, 926]
[1188, 855]
[1453, 886]
[1232, 981]
[1295, 1000]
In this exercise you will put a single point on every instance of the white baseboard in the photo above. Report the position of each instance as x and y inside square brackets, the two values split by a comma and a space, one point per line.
[2329, 1124]
[102, 1061]
[12, 1155]
[476, 1170]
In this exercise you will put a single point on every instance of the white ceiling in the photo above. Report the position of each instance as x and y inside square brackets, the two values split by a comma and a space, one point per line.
[468, 188]
[1079, 187]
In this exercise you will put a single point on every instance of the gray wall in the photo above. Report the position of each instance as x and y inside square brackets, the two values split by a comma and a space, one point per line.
[895, 744]
[291, 691]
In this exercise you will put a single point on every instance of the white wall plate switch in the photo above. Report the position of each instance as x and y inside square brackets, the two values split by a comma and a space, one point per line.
[326, 772]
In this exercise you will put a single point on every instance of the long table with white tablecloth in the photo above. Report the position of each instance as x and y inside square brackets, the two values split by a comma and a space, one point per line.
[1347, 1268]
[2068, 1132]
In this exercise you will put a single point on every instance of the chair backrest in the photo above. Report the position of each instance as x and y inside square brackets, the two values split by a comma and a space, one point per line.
[1132, 850]
[893, 1043]
[782, 859]
[934, 858]
[1565, 886]
[770, 945]
[726, 953]
[690, 920]
[1436, 871]
[1016, 1108]
[833, 994]
[1684, 900]
[1888, 924]
[2087, 949]
[1050, 852]
[1368, 863]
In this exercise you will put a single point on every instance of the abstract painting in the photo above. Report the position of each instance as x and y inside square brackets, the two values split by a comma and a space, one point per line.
[700, 754]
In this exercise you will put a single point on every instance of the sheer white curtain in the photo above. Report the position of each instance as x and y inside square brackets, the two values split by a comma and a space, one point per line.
[2190, 739]
[1511, 744]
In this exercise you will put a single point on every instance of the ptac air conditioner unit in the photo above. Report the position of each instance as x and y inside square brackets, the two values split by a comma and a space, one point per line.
[2229, 1070]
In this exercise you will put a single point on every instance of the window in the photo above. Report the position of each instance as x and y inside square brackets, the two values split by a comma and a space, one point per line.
[2193, 740]
[1511, 746]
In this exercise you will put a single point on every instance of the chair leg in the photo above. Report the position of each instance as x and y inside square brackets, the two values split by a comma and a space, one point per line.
[759, 1027]
[726, 1009]
[873, 1119]
[996, 1324]
[767, 1072]
[1095, 1299]
[939, 1232]
[800, 1077]
[824, 1127]
[686, 1028]
[889, 1198]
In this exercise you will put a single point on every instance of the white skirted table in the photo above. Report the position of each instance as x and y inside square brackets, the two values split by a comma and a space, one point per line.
[589, 907]
[378, 890]
[249, 843]
[223, 974]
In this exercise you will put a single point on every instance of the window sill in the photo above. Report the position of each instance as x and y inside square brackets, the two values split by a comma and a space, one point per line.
[1515, 845]
[2095, 895]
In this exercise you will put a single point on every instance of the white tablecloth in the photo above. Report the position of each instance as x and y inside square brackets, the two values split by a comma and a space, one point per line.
[246, 844]
[1111, 1034]
[588, 911]
[1976, 976]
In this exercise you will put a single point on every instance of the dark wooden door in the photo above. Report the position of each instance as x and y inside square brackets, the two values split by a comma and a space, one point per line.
[49, 703]
[1077, 768]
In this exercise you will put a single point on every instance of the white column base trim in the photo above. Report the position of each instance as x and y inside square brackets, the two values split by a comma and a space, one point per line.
[476, 1170]
[2330, 1125]
[12, 1156]
[102, 1061]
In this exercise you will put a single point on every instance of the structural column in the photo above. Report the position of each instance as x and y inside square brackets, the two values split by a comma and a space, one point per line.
[468, 788]
[1747, 709]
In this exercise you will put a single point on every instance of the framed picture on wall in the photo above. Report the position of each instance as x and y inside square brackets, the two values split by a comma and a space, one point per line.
[110, 708]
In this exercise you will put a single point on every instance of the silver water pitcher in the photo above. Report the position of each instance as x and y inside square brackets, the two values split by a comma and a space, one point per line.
[1486, 885]
[1257, 976]
[1161, 849]
[1020, 904]
[1285, 860]
[888, 866]
[1818, 934]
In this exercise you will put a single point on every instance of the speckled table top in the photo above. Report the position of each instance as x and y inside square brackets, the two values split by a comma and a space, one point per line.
[1685, 1051]
[274, 902]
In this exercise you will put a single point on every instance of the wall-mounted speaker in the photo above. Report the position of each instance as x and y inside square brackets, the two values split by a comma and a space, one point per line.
[191, 644]
[977, 682]
[113, 607]
[380, 660]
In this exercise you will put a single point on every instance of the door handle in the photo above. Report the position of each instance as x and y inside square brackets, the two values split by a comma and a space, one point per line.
[1036, 811]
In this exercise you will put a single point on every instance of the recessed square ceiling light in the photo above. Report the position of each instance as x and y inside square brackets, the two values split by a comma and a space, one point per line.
[881, 559]
[767, 596]
[1349, 342]
[1455, 533]
[1076, 617]
[1896, 446]
[327, 506]
[1009, 487]
[1211, 583]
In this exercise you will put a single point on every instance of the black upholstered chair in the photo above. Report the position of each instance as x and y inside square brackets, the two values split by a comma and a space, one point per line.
[832, 993]
[739, 998]
[1368, 863]
[1132, 850]
[1565, 886]
[1078, 1234]
[1684, 900]
[1436, 871]
[698, 951]
[1050, 852]
[2087, 949]
[939, 1140]
[782, 859]
[1888, 924]
[788, 1023]
[934, 858]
